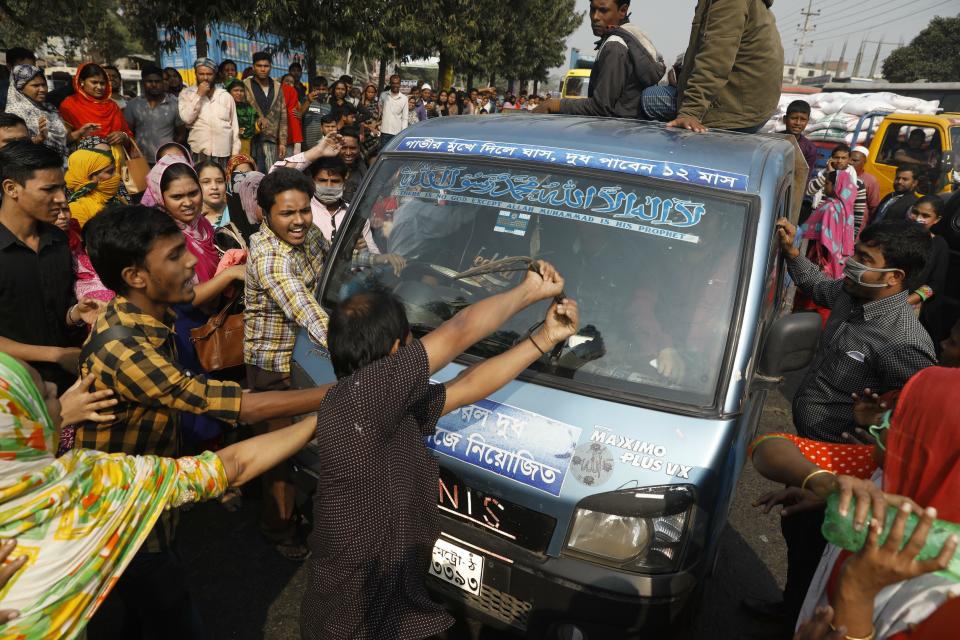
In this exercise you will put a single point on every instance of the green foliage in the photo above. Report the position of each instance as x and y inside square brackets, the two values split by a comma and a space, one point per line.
[933, 55]
[90, 29]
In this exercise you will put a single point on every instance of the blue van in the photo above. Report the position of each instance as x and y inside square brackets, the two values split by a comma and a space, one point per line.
[587, 496]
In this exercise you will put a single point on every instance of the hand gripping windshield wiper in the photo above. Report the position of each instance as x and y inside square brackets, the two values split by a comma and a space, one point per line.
[515, 263]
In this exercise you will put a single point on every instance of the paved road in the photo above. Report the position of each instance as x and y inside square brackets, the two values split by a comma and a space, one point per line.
[247, 592]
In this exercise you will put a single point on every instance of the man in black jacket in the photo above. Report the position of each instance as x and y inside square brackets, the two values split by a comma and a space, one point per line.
[627, 63]
[897, 204]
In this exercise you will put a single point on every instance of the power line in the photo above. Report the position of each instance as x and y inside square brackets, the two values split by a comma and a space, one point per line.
[847, 12]
[879, 24]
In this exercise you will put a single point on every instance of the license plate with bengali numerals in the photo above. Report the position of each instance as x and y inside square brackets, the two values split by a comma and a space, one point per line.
[458, 566]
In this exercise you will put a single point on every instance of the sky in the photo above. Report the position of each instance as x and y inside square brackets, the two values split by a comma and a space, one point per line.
[889, 21]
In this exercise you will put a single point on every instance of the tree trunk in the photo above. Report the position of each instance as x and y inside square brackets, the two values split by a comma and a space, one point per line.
[311, 64]
[536, 87]
[511, 85]
[493, 80]
[383, 75]
[200, 29]
[444, 71]
[469, 81]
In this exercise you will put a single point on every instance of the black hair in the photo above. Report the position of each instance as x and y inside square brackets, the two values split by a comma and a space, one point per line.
[121, 237]
[798, 106]
[262, 55]
[623, 3]
[287, 75]
[912, 168]
[363, 329]
[225, 63]
[278, 181]
[110, 67]
[327, 118]
[151, 70]
[206, 164]
[319, 81]
[295, 63]
[91, 71]
[347, 109]
[16, 54]
[174, 69]
[350, 132]
[176, 171]
[915, 132]
[840, 148]
[904, 245]
[10, 120]
[333, 92]
[392, 76]
[934, 201]
[346, 79]
[20, 159]
[331, 163]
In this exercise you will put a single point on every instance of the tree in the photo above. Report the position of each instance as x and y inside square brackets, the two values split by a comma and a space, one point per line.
[177, 17]
[933, 55]
[91, 30]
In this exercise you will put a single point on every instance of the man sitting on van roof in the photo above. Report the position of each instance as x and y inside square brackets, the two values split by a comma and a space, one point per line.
[627, 63]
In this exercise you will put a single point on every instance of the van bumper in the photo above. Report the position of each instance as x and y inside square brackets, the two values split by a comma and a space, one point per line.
[536, 596]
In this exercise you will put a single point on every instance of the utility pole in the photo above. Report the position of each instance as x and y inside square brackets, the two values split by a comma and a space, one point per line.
[843, 53]
[802, 39]
[859, 60]
[876, 58]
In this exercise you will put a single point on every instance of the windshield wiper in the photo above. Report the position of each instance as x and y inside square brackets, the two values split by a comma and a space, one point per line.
[503, 265]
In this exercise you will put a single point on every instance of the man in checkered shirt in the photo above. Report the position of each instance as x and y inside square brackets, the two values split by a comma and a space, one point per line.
[872, 338]
[140, 253]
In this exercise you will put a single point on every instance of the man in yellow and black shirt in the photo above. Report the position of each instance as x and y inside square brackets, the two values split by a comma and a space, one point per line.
[141, 254]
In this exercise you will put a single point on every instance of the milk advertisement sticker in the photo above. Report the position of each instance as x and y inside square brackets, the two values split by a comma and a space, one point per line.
[517, 444]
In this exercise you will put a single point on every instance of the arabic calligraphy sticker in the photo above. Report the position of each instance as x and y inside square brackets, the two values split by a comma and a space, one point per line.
[592, 464]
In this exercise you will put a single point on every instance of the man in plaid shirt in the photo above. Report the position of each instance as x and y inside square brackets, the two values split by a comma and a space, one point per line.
[140, 253]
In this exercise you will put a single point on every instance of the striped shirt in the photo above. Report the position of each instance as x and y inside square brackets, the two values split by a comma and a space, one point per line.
[152, 390]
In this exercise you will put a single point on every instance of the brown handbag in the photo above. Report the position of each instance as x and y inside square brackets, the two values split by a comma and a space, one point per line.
[219, 343]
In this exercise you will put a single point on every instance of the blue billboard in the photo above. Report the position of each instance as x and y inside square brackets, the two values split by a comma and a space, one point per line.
[227, 41]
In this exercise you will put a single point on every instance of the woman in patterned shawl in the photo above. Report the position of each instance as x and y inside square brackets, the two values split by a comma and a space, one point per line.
[79, 519]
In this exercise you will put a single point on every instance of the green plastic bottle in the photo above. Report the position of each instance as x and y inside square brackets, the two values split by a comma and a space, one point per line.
[839, 530]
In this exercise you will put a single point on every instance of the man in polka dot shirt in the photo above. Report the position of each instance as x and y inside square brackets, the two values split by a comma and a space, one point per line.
[375, 512]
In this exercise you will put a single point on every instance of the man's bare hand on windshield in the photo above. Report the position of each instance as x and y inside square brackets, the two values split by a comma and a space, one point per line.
[787, 233]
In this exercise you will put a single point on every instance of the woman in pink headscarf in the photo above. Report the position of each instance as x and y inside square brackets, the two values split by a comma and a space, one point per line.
[172, 185]
[831, 231]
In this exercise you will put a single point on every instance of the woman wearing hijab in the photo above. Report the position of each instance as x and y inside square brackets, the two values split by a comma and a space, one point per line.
[238, 167]
[919, 465]
[830, 230]
[87, 283]
[80, 519]
[90, 110]
[26, 98]
[93, 182]
[173, 185]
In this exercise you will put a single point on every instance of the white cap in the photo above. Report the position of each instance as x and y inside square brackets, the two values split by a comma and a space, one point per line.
[861, 149]
[426, 86]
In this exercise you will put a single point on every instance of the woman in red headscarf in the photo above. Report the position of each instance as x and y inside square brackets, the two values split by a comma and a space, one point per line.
[90, 110]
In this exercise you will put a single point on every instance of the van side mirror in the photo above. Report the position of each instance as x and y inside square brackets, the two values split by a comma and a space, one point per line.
[791, 344]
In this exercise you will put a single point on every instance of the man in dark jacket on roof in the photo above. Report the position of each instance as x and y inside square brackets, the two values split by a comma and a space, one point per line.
[627, 63]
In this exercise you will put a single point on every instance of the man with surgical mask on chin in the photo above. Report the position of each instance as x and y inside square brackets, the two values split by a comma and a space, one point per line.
[872, 338]
[328, 207]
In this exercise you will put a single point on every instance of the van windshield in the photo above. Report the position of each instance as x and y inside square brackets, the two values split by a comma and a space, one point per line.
[654, 266]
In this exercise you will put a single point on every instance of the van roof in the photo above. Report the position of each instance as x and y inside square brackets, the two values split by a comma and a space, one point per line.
[609, 143]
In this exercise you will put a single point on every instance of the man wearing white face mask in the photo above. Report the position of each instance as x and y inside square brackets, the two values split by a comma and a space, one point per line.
[328, 174]
[872, 338]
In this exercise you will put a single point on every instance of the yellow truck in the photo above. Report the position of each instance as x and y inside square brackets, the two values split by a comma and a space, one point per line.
[575, 83]
[891, 145]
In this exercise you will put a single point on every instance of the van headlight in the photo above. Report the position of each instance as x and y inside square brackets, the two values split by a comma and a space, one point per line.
[634, 529]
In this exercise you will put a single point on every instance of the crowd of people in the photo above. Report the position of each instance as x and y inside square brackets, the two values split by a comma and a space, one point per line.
[132, 226]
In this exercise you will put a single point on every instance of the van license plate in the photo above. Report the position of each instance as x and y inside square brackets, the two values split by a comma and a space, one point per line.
[459, 567]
